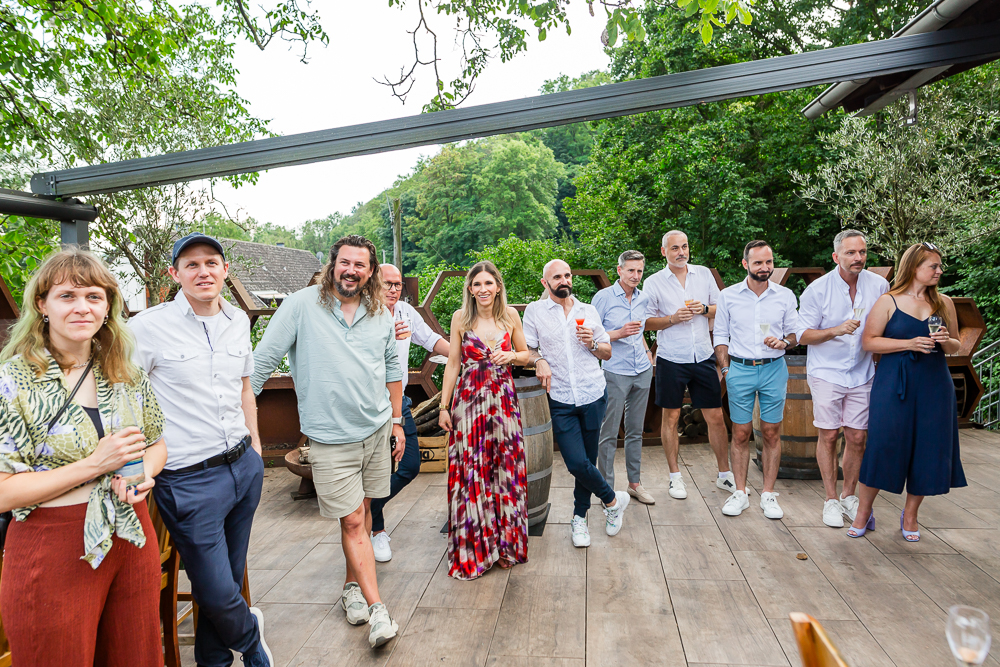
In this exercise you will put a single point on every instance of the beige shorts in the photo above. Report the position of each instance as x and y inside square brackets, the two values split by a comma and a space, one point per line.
[346, 474]
[835, 406]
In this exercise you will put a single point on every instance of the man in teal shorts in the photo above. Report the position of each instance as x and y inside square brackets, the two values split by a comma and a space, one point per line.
[755, 322]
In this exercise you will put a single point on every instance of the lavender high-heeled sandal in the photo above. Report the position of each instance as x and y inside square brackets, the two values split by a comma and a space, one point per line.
[908, 535]
[859, 532]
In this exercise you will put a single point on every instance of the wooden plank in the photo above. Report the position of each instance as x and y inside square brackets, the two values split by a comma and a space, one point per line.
[802, 506]
[297, 622]
[317, 579]
[418, 546]
[974, 496]
[720, 622]
[486, 592]
[445, 636]
[261, 581]
[693, 511]
[533, 661]
[695, 552]
[851, 638]
[542, 617]
[782, 584]
[939, 512]
[889, 540]
[847, 562]
[752, 531]
[553, 555]
[951, 580]
[287, 542]
[561, 499]
[626, 640]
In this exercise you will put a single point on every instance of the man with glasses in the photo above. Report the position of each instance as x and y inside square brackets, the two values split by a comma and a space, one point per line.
[409, 326]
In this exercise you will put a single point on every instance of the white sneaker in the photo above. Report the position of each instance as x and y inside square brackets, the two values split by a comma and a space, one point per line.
[354, 603]
[259, 615]
[381, 627]
[581, 533]
[833, 513]
[616, 514]
[736, 503]
[769, 503]
[726, 483]
[677, 489]
[380, 545]
[850, 505]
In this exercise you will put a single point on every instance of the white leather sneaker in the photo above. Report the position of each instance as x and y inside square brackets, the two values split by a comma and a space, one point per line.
[850, 506]
[381, 627]
[259, 615]
[677, 489]
[769, 503]
[581, 534]
[736, 503]
[354, 603]
[616, 514]
[380, 545]
[727, 482]
[833, 513]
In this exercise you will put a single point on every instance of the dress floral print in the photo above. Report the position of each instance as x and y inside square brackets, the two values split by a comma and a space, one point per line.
[487, 478]
[27, 404]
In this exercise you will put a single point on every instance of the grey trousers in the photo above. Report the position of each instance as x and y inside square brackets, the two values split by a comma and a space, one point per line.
[628, 394]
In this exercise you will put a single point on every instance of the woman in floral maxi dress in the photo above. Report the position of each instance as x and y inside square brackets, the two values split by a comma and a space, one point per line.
[487, 479]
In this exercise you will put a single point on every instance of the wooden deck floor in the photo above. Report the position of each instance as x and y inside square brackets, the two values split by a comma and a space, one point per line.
[680, 585]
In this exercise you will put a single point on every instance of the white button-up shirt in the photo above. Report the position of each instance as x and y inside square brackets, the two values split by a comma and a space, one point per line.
[420, 333]
[197, 377]
[577, 378]
[826, 303]
[741, 312]
[685, 342]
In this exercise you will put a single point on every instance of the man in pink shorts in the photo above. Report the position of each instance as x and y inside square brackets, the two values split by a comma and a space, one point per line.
[832, 313]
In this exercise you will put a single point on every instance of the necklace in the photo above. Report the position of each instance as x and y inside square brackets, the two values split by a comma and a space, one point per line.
[911, 294]
[79, 366]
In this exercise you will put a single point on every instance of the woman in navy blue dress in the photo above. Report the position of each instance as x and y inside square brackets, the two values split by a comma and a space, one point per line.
[913, 423]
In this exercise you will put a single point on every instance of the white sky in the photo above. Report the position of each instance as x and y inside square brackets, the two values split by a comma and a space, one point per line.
[336, 88]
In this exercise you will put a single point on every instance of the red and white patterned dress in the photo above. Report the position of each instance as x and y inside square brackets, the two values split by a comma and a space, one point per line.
[487, 478]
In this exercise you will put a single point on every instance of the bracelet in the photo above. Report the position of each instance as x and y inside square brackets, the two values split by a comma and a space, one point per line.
[725, 369]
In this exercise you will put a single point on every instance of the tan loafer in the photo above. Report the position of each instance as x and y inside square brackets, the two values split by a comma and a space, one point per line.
[642, 495]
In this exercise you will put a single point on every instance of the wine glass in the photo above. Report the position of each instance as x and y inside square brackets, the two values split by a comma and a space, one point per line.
[858, 312]
[765, 328]
[934, 323]
[492, 341]
[968, 633]
[403, 317]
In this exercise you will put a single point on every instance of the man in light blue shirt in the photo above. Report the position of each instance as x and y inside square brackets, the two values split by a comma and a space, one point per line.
[628, 372]
[341, 346]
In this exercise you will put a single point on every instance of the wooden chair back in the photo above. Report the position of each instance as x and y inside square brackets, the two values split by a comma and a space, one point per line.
[815, 646]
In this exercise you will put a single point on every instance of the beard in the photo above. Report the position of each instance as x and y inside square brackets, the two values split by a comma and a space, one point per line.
[348, 293]
[563, 291]
[761, 277]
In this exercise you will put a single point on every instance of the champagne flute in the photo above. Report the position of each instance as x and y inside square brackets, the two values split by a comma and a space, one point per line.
[492, 341]
[403, 317]
[765, 327]
[858, 312]
[968, 633]
[934, 323]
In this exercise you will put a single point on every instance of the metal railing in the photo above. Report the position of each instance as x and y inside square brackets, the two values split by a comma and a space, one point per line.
[987, 364]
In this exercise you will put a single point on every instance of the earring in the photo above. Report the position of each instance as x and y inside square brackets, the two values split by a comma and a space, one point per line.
[105, 319]
[45, 318]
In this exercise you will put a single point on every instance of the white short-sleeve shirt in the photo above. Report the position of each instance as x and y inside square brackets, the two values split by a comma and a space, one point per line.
[826, 303]
[577, 378]
[685, 342]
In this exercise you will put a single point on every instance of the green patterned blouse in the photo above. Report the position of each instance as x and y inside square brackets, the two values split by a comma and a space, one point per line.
[29, 402]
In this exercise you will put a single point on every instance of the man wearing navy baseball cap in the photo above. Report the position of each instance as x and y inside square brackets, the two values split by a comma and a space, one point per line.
[197, 352]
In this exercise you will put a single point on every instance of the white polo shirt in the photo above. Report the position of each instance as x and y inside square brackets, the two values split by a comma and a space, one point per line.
[577, 378]
[421, 334]
[826, 303]
[741, 312]
[685, 342]
[196, 368]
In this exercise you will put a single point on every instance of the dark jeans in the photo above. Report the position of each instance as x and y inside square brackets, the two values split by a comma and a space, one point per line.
[209, 514]
[407, 471]
[577, 429]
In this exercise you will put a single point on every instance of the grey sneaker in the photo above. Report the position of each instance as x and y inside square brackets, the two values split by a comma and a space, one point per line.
[381, 627]
[616, 514]
[354, 603]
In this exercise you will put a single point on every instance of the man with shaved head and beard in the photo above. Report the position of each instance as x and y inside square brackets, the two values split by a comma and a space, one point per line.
[341, 347]
[409, 326]
[567, 340]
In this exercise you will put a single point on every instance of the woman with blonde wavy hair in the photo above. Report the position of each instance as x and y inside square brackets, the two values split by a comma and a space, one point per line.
[913, 423]
[487, 478]
[81, 573]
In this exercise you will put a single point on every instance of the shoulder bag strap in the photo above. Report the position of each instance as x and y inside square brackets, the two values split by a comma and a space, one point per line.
[69, 398]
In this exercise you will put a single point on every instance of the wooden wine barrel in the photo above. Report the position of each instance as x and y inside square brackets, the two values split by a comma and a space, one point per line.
[798, 435]
[536, 424]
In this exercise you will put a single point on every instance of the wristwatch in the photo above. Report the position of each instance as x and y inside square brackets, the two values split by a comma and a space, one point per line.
[593, 345]
[705, 311]
[725, 369]
[397, 420]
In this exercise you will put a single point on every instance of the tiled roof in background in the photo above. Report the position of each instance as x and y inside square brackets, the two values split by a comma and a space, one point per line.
[270, 271]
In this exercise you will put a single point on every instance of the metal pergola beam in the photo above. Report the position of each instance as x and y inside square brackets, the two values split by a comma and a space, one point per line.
[801, 70]
[25, 205]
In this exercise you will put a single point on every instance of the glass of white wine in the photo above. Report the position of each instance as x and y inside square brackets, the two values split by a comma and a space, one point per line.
[765, 327]
[934, 323]
[492, 340]
[968, 633]
[858, 312]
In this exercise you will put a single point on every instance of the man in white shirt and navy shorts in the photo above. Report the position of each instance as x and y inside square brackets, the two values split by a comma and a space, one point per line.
[198, 354]
[832, 313]
[755, 322]
[682, 299]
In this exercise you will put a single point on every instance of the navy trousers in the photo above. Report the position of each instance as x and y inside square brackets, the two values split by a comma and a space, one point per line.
[577, 429]
[409, 468]
[209, 514]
